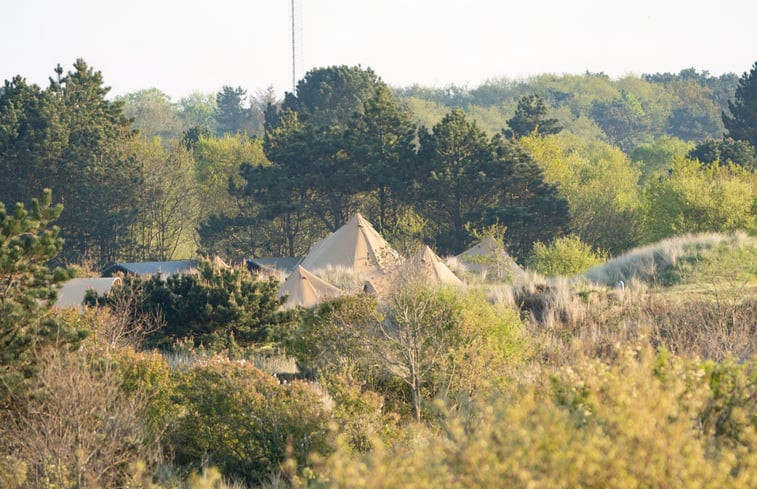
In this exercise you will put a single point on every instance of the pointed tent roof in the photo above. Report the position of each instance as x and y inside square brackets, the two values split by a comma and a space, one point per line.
[356, 245]
[425, 265]
[305, 289]
[72, 293]
[433, 268]
[488, 254]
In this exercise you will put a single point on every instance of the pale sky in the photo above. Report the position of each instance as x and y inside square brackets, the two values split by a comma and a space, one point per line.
[190, 45]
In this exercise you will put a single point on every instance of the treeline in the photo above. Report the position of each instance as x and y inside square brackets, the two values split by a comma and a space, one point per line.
[614, 162]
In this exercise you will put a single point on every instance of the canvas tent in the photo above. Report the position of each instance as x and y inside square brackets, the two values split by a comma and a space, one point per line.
[356, 246]
[72, 293]
[490, 255]
[302, 288]
[424, 265]
[427, 264]
[162, 268]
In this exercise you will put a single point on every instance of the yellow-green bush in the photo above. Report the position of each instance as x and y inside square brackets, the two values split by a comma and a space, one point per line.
[640, 422]
[421, 343]
[565, 256]
[235, 417]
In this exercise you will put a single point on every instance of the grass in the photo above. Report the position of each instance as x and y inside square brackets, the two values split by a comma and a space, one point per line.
[683, 260]
[693, 295]
[341, 277]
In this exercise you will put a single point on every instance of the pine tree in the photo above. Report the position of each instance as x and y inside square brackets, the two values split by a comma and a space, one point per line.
[94, 177]
[742, 123]
[530, 116]
[232, 115]
[28, 290]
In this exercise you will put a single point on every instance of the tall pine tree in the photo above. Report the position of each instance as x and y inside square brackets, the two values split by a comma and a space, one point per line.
[95, 178]
[742, 123]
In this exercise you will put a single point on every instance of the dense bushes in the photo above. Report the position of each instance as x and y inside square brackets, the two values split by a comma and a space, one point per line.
[436, 342]
[214, 307]
[428, 387]
[564, 256]
[235, 417]
[635, 423]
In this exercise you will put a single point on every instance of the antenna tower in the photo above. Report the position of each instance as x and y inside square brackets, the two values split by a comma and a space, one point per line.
[296, 31]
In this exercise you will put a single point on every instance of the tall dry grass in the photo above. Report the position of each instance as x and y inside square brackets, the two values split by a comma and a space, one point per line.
[341, 277]
[570, 319]
[648, 263]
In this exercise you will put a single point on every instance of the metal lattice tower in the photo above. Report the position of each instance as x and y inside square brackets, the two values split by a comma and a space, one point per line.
[296, 31]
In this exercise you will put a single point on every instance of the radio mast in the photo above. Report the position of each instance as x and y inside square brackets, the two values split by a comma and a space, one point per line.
[296, 31]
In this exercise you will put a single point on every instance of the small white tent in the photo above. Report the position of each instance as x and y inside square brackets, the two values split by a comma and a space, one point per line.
[72, 293]
[356, 246]
[302, 288]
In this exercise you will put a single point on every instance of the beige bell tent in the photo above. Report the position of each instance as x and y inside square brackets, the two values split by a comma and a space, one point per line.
[356, 246]
[491, 256]
[432, 268]
[302, 288]
[72, 293]
[424, 265]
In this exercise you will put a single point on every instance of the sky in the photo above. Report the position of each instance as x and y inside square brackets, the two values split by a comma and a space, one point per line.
[180, 47]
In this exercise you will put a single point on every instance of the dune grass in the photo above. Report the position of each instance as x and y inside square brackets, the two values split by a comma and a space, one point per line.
[683, 260]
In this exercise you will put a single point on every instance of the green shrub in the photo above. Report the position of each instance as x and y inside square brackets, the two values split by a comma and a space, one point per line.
[565, 256]
[215, 307]
[28, 291]
[634, 423]
[233, 416]
[424, 342]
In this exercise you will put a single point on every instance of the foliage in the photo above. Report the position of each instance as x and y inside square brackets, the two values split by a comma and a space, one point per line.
[27, 291]
[197, 110]
[383, 140]
[656, 157]
[599, 183]
[436, 342]
[241, 420]
[215, 307]
[584, 425]
[470, 181]
[76, 427]
[725, 151]
[695, 198]
[565, 256]
[70, 138]
[168, 201]
[622, 120]
[686, 105]
[312, 161]
[146, 374]
[94, 178]
[218, 161]
[741, 124]
[153, 114]
[28, 141]
[530, 118]
[232, 114]
[330, 96]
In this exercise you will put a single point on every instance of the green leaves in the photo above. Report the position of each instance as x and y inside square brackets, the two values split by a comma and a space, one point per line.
[27, 289]
[742, 123]
[213, 307]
